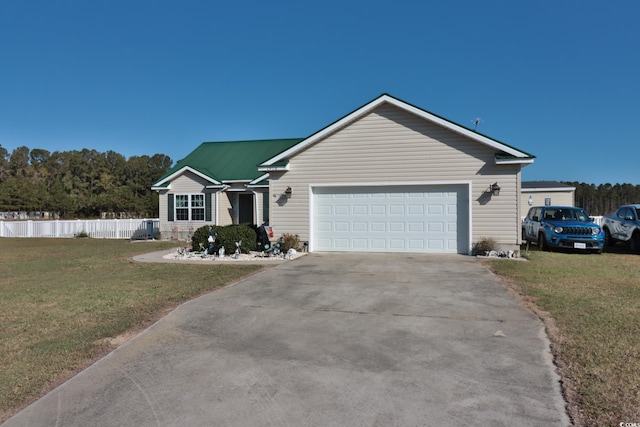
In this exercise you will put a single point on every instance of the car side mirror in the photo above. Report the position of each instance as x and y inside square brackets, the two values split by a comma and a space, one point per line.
[535, 218]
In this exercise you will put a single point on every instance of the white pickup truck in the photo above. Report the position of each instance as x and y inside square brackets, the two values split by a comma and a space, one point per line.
[623, 226]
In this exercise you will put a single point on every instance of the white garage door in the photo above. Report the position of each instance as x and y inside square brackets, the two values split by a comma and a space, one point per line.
[390, 219]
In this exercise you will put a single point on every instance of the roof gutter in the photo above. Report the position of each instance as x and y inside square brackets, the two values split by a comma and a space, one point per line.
[521, 161]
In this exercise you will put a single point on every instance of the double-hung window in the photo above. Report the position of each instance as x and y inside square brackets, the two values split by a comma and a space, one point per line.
[189, 207]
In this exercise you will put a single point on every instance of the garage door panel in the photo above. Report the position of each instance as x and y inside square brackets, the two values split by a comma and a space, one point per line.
[325, 226]
[437, 245]
[416, 227]
[416, 210]
[378, 210]
[378, 243]
[396, 226]
[396, 243]
[341, 226]
[436, 227]
[359, 243]
[324, 210]
[325, 242]
[396, 209]
[360, 226]
[342, 244]
[360, 210]
[378, 227]
[416, 244]
[435, 209]
[341, 210]
[394, 218]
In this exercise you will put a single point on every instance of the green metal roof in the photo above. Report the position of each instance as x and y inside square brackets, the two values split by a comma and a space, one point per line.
[231, 160]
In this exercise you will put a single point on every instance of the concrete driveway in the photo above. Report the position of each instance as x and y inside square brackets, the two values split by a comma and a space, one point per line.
[327, 340]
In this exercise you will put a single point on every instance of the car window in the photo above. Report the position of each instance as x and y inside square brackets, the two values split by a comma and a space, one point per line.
[565, 214]
[637, 212]
[581, 215]
[623, 213]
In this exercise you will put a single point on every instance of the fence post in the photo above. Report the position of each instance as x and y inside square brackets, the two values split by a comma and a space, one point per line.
[1, 228]
[29, 228]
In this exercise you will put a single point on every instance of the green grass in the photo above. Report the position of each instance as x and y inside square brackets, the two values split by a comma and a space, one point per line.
[63, 299]
[594, 301]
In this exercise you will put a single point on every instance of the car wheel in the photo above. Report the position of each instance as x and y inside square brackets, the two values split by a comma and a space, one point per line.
[542, 242]
[608, 241]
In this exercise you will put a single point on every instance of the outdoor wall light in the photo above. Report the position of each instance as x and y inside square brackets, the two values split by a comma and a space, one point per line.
[530, 201]
[287, 192]
[495, 189]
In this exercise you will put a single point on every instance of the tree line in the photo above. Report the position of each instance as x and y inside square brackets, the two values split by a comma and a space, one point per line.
[79, 184]
[604, 198]
[87, 183]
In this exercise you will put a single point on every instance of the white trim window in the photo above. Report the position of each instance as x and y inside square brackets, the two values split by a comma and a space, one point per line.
[189, 207]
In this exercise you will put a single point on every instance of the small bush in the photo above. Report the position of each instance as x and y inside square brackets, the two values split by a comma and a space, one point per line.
[81, 235]
[484, 246]
[229, 235]
[291, 241]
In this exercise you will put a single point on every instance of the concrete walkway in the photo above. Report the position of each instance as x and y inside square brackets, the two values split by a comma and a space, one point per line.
[327, 340]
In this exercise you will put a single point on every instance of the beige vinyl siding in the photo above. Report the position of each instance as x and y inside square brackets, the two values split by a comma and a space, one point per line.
[163, 207]
[225, 208]
[390, 145]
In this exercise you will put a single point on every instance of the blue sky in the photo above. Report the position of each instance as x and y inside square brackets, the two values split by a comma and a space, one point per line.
[558, 79]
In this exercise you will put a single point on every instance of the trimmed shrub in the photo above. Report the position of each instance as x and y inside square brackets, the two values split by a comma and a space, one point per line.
[227, 236]
[200, 238]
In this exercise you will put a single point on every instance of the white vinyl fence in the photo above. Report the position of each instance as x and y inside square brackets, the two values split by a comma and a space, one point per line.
[96, 228]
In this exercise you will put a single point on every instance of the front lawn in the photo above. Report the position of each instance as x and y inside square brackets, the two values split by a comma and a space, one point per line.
[64, 301]
[594, 301]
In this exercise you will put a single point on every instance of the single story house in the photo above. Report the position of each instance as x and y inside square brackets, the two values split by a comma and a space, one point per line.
[387, 177]
[546, 193]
